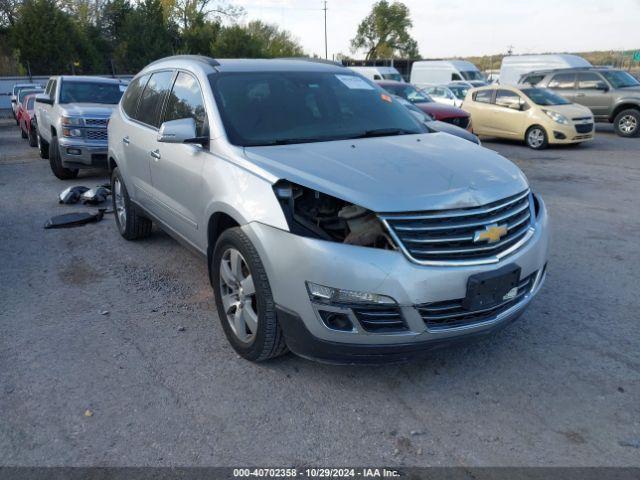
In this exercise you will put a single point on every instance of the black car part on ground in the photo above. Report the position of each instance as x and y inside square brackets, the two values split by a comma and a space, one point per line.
[72, 194]
[74, 219]
[311, 213]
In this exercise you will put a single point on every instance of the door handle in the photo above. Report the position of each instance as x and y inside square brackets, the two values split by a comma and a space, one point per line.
[155, 154]
[126, 140]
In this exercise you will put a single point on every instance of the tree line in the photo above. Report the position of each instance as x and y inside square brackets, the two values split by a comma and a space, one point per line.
[122, 36]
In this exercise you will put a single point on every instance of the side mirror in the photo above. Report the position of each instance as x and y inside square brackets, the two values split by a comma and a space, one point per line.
[180, 131]
[602, 86]
[44, 98]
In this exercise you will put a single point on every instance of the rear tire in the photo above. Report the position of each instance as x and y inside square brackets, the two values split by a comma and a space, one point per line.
[33, 137]
[261, 338]
[43, 147]
[130, 223]
[627, 123]
[56, 162]
[536, 138]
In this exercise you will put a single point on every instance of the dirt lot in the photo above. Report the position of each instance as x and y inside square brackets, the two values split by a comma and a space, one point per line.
[162, 386]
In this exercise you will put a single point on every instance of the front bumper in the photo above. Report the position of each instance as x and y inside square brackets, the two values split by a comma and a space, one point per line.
[564, 134]
[291, 260]
[76, 153]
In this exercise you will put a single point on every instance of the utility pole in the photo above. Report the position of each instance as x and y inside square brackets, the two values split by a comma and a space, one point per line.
[326, 52]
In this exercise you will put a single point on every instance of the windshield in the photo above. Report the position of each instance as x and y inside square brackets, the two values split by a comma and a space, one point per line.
[276, 108]
[620, 79]
[408, 92]
[459, 91]
[471, 75]
[392, 76]
[542, 96]
[25, 92]
[17, 88]
[90, 92]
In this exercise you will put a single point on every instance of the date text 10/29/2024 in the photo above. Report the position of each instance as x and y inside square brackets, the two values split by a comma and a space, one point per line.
[315, 473]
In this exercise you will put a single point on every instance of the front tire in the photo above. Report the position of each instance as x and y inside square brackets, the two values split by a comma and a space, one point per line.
[55, 162]
[43, 147]
[243, 298]
[130, 223]
[536, 138]
[627, 123]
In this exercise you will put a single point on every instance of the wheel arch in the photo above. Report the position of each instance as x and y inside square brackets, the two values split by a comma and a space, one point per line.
[219, 221]
[623, 105]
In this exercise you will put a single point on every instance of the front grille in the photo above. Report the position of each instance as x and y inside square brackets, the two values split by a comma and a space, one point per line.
[380, 319]
[96, 135]
[584, 127]
[456, 235]
[451, 314]
[96, 122]
[462, 122]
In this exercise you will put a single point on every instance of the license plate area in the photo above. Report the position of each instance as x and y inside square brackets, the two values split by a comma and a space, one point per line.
[488, 289]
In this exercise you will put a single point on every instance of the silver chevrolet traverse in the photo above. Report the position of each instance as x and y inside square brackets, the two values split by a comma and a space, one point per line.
[334, 223]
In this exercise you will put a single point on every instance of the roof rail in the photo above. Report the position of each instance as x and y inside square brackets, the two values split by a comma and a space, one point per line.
[196, 58]
[312, 60]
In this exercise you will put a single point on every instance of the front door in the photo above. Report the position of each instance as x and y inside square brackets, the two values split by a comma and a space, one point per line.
[508, 118]
[593, 92]
[176, 171]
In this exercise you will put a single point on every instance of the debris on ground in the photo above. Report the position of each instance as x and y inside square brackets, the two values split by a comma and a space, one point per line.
[72, 194]
[74, 219]
[96, 195]
[104, 312]
[633, 442]
[88, 413]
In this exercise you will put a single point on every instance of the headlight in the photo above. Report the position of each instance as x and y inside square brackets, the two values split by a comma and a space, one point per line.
[71, 132]
[311, 213]
[557, 117]
[72, 121]
[323, 294]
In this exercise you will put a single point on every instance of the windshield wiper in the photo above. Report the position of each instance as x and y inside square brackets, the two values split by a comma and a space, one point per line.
[384, 132]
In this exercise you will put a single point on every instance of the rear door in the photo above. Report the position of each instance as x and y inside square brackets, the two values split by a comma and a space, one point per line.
[564, 84]
[481, 109]
[140, 140]
[593, 92]
[177, 171]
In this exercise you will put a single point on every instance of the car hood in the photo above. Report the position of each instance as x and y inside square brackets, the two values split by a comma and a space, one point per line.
[572, 110]
[397, 173]
[440, 111]
[97, 109]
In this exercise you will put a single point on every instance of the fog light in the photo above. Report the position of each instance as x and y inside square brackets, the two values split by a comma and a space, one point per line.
[336, 321]
[73, 151]
[321, 293]
[559, 135]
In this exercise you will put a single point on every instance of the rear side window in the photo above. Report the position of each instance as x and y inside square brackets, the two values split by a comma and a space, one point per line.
[563, 81]
[483, 96]
[132, 94]
[152, 98]
[185, 101]
[590, 81]
[455, 76]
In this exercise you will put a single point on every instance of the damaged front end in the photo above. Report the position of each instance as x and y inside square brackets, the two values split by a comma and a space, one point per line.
[311, 213]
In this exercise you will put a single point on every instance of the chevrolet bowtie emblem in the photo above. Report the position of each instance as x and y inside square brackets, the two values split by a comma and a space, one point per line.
[490, 234]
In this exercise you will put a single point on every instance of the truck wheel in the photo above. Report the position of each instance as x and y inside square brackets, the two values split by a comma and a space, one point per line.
[131, 224]
[627, 123]
[56, 162]
[43, 147]
[33, 137]
[244, 302]
[536, 138]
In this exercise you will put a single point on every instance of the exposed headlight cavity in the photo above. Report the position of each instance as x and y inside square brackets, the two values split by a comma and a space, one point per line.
[314, 214]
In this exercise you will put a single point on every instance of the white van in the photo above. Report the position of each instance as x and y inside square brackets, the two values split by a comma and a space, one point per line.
[514, 66]
[379, 73]
[442, 72]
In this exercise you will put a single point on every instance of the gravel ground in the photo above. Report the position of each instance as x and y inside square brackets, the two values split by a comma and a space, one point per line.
[154, 382]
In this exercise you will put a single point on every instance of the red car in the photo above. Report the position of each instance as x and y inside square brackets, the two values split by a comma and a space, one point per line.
[424, 102]
[26, 119]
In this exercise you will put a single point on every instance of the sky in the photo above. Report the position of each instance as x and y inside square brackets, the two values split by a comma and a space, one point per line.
[448, 28]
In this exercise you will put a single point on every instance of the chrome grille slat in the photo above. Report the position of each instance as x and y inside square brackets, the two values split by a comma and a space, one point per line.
[448, 236]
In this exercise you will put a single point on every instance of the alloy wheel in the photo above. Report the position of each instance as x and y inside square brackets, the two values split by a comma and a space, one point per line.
[628, 124]
[119, 202]
[238, 295]
[535, 138]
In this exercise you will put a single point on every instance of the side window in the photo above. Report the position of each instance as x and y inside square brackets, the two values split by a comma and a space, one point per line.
[563, 81]
[132, 95]
[590, 81]
[152, 97]
[533, 80]
[377, 77]
[185, 101]
[483, 96]
[507, 98]
[455, 76]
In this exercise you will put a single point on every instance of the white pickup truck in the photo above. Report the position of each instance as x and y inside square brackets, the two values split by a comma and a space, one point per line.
[72, 117]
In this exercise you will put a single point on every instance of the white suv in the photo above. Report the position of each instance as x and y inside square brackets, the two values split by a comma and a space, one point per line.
[334, 223]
